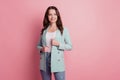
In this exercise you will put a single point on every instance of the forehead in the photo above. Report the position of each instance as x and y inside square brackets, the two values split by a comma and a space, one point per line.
[52, 11]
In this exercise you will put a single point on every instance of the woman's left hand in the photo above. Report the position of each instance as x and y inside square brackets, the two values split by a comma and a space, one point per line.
[54, 42]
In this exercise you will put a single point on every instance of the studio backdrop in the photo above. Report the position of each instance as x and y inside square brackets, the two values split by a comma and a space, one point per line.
[94, 27]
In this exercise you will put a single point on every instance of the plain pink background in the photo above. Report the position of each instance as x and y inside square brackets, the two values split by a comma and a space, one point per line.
[94, 27]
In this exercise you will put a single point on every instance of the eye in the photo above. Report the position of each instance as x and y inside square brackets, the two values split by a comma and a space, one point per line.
[49, 14]
[55, 14]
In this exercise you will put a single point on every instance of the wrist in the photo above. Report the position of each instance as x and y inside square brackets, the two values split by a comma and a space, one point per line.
[58, 44]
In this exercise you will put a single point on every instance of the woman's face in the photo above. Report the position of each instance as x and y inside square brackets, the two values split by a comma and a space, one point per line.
[52, 16]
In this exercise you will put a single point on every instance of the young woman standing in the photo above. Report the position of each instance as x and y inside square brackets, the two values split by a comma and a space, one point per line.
[53, 41]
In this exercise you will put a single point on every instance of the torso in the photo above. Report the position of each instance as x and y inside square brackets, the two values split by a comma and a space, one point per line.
[51, 33]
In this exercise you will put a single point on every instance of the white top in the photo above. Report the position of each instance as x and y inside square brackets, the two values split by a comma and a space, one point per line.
[49, 37]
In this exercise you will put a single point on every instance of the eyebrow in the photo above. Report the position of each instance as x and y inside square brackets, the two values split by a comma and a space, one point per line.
[51, 13]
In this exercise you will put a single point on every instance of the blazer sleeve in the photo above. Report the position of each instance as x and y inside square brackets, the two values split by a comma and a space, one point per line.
[39, 45]
[67, 45]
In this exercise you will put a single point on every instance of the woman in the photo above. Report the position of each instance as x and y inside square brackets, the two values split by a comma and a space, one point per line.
[53, 41]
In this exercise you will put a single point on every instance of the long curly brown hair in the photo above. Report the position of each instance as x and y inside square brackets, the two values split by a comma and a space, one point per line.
[46, 21]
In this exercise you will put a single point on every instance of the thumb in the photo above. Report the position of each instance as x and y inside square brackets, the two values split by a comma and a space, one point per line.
[47, 46]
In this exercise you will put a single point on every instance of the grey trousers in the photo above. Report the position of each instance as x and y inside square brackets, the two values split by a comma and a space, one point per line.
[47, 75]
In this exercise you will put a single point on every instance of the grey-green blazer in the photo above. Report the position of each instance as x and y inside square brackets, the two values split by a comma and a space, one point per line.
[57, 52]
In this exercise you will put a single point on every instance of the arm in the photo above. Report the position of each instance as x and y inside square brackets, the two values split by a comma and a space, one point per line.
[67, 45]
[39, 45]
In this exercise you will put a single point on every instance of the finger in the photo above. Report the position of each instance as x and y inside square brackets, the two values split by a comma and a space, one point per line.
[47, 46]
[53, 39]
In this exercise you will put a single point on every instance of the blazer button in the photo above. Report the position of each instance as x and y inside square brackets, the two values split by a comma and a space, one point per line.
[58, 59]
[58, 52]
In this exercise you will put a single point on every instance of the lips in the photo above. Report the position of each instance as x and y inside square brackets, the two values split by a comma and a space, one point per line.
[53, 19]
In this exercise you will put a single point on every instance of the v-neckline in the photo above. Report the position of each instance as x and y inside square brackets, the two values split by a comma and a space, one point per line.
[53, 31]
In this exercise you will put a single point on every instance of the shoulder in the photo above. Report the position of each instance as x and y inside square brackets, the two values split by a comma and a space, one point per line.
[65, 29]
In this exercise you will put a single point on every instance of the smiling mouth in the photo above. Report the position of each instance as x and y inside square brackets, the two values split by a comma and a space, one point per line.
[52, 19]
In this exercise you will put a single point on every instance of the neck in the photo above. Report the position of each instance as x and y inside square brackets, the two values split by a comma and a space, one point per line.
[53, 25]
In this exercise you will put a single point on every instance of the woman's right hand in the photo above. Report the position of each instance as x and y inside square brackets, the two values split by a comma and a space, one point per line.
[45, 49]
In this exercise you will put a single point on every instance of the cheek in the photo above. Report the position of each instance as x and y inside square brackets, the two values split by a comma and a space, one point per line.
[56, 17]
[49, 17]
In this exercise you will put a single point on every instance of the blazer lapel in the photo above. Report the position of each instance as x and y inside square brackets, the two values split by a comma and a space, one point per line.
[57, 37]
